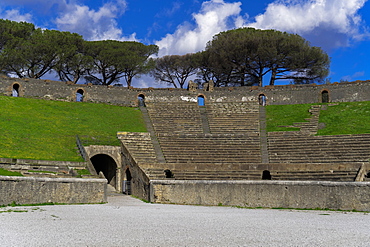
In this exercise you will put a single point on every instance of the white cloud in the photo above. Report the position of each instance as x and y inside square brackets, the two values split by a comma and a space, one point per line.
[15, 15]
[354, 76]
[93, 24]
[327, 22]
[215, 16]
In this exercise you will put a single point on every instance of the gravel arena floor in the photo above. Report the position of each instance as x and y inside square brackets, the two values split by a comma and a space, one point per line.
[125, 221]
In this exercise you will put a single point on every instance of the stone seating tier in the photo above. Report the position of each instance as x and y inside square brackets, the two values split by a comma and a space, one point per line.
[231, 117]
[318, 175]
[210, 148]
[170, 117]
[139, 145]
[319, 149]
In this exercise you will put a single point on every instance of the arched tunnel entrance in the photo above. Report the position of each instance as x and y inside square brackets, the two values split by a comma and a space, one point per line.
[106, 164]
[127, 182]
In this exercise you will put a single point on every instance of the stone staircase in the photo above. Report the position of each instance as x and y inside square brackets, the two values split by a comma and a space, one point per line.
[139, 145]
[310, 127]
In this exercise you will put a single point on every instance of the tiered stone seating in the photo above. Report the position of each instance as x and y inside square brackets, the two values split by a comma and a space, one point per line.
[175, 117]
[245, 171]
[232, 149]
[155, 173]
[318, 149]
[333, 175]
[139, 145]
[233, 117]
[45, 170]
[210, 148]
[217, 175]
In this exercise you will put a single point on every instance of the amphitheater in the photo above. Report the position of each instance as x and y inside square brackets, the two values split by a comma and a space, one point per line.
[209, 146]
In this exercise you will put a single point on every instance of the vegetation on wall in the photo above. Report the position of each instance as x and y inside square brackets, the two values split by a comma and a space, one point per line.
[46, 130]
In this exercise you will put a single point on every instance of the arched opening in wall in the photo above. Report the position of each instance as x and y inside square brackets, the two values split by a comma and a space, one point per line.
[266, 175]
[80, 95]
[15, 90]
[168, 173]
[262, 99]
[105, 164]
[201, 100]
[127, 182]
[141, 100]
[325, 96]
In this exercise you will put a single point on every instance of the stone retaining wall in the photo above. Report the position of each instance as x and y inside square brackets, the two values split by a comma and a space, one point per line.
[30, 190]
[274, 95]
[270, 194]
[27, 163]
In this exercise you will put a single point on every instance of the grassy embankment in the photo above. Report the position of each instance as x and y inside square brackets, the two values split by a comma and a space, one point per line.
[339, 118]
[46, 130]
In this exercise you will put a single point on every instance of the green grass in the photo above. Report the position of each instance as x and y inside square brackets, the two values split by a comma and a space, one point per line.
[83, 172]
[4, 172]
[346, 118]
[285, 115]
[339, 118]
[46, 130]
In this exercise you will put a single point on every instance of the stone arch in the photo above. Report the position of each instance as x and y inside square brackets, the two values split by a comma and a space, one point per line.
[262, 99]
[168, 173]
[266, 175]
[141, 100]
[325, 97]
[80, 95]
[15, 90]
[107, 165]
[201, 100]
[127, 182]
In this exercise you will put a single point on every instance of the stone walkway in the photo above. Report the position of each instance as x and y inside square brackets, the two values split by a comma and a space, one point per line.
[126, 221]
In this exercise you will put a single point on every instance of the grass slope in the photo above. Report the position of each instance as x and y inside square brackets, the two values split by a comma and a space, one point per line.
[284, 115]
[339, 118]
[46, 130]
[4, 172]
[346, 118]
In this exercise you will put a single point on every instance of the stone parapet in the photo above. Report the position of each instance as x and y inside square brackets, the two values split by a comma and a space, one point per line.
[31, 190]
[269, 194]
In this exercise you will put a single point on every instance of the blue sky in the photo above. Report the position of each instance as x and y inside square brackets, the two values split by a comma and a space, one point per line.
[340, 27]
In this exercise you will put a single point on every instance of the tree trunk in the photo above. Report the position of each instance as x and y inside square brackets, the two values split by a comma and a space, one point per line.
[273, 77]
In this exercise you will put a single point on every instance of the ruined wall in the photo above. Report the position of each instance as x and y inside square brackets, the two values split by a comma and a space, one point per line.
[27, 163]
[139, 181]
[275, 95]
[30, 190]
[271, 194]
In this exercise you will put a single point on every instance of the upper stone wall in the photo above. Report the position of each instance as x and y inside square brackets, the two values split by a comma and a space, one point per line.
[274, 95]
